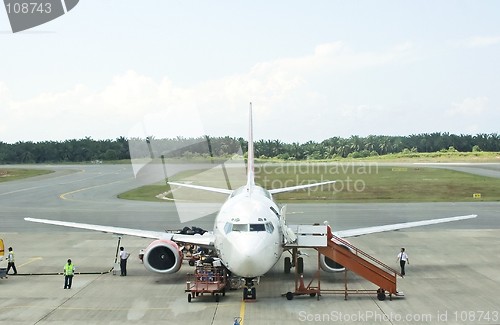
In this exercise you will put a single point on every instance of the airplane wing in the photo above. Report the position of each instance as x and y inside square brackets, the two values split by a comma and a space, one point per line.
[298, 187]
[397, 226]
[206, 240]
[273, 191]
[204, 188]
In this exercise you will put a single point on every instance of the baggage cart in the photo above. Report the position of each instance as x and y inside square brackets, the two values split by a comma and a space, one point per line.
[206, 280]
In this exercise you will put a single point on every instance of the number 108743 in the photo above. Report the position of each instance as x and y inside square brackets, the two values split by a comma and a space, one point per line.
[29, 7]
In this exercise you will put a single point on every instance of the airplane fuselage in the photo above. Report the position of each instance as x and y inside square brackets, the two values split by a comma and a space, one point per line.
[248, 237]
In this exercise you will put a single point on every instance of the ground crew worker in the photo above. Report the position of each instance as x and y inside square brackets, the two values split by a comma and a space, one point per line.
[10, 260]
[69, 271]
[403, 259]
[123, 261]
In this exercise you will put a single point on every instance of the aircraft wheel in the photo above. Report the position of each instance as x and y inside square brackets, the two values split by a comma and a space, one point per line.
[254, 293]
[245, 293]
[189, 297]
[300, 265]
[288, 265]
[381, 294]
[289, 295]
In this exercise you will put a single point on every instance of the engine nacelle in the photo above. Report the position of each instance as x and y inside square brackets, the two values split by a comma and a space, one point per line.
[329, 265]
[163, 256]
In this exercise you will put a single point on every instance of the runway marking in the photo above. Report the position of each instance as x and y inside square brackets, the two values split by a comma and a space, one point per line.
[63, 196]
[24, 189]
[110, 309]
[31, 261]
[37, 187]
[242, 311]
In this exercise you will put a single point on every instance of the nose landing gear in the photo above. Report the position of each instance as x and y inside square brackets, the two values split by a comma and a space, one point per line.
[249, 291]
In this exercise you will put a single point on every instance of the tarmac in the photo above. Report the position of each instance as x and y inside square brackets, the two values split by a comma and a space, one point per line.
[452, 277]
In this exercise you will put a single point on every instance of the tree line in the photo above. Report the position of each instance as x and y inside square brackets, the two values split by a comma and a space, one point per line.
[82, 150]
[87, 149]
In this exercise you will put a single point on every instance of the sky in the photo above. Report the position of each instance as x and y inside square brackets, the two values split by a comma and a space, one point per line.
[312, 70]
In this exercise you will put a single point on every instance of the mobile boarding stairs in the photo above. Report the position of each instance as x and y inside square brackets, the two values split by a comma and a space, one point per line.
[352, 258]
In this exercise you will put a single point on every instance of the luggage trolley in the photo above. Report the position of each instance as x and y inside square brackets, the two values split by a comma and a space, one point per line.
[206, 279]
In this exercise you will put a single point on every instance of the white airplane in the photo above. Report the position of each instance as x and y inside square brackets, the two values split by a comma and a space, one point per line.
[250, 233]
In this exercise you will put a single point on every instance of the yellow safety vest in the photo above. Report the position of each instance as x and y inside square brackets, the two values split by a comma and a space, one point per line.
[69, 269]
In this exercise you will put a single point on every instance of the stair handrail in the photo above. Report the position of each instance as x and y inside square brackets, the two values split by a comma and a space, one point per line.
[357, 250]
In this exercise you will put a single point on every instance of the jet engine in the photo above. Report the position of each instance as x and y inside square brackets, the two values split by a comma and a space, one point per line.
[329, 265]
[163, 256]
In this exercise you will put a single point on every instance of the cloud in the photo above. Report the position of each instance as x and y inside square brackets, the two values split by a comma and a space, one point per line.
[469, 107]
[357, 112]
[4, 92]
[337, 56]
[278, 87]
[478, 41]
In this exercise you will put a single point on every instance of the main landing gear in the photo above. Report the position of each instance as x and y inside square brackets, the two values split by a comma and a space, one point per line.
[289, 264]
[249, 291]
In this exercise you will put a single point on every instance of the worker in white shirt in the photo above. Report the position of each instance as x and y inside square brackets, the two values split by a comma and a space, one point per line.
[403, 259]
[11, 261]
[123, 261]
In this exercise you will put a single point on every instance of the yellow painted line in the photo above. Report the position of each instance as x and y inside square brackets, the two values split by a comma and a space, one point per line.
[242, 311]
[31, 261]
[63, 196]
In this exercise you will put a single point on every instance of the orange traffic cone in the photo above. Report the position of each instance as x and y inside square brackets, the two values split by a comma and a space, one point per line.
[301, 283]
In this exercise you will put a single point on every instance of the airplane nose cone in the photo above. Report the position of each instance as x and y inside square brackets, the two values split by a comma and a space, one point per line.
[250, 266]
[251, 259]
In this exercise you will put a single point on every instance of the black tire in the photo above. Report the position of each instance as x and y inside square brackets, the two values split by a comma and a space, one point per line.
[245, 293]
[254, 293]
[312, 295]
[288, 265]
[381, 294]
[191, 262]
[300, 265]
[189, 297]
[289, 295]
[217, 297]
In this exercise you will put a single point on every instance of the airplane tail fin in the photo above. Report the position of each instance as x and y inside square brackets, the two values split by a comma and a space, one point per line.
[251, 166]
[251, 157]
[251, 171]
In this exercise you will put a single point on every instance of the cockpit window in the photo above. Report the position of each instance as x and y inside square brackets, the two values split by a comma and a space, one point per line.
[269, 227]
[240, 227]
[245, 227]
[257, 227]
